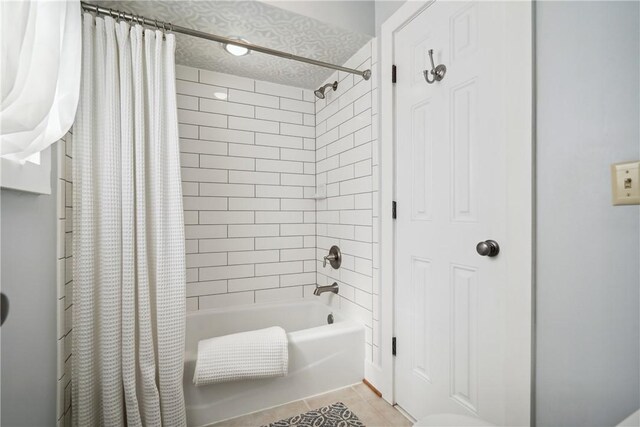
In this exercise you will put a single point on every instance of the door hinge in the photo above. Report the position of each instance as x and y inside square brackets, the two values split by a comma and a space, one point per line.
[393, 346]
[393, 74]
[394, 210]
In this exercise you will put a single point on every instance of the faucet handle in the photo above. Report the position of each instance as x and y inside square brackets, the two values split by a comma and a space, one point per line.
[329, 257]
[334, 257]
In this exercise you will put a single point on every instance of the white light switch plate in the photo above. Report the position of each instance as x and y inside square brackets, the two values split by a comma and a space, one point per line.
[625, 183]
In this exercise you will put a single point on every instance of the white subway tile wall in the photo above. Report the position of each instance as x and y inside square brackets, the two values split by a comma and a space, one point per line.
[248, 171]
[64, 280]
[347, 172]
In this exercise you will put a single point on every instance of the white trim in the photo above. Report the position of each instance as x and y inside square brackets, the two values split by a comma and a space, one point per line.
[520, 173]
[28, 177]
[387, 184]
[520, 184]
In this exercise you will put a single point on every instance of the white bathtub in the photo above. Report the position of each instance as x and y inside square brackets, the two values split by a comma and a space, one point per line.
[322, 357]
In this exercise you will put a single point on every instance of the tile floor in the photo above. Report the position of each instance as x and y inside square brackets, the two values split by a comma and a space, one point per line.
[369, 408]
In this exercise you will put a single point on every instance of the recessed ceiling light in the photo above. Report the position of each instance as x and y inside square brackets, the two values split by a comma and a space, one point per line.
[237, 50]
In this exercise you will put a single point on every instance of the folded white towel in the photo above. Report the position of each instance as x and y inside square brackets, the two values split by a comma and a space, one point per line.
[248, 355]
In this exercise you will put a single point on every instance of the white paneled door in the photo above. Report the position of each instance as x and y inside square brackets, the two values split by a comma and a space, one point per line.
[451, 188]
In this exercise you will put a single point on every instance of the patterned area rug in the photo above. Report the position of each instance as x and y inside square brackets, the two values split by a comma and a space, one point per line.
[335, 415]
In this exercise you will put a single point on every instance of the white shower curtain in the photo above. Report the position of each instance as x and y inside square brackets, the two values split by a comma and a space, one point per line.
[128, 231]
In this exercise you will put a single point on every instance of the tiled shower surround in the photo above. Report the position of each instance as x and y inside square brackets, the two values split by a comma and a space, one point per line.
[62, 155]
[254, 156]
[347, 172]
[248, 172]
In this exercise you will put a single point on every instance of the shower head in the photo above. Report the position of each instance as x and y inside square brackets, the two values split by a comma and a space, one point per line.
[320, 92]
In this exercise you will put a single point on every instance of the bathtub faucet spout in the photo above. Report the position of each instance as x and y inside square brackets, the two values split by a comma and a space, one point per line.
[329, 288]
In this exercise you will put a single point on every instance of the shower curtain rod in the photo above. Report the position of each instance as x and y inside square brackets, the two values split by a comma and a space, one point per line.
[366, 74]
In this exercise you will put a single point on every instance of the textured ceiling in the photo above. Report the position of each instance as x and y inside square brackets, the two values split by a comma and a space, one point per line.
[259, 23]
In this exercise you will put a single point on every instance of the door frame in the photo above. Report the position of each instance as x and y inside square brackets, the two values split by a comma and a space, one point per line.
[520, 187]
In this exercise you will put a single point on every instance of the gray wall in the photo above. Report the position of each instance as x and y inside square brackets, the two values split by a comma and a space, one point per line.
[28, 347]
[588, 250]
[383, 10]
